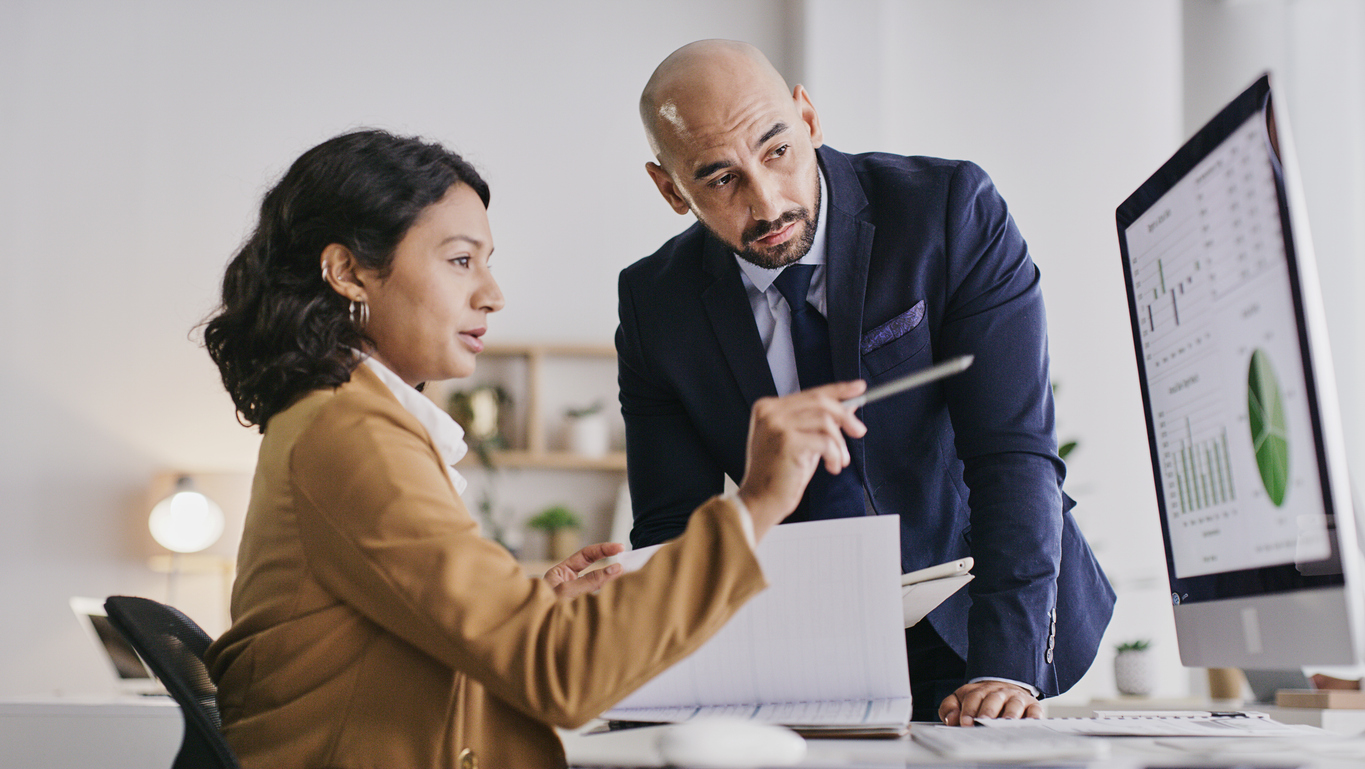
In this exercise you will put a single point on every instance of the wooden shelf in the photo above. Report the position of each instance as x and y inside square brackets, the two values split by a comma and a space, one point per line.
[532, 435]
[551, 460]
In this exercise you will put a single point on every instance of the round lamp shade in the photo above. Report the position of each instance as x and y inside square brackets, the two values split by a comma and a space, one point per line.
[186, 521]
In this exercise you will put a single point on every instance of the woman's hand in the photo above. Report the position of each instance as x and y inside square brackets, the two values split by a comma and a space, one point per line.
[568, 578]
[788, 438]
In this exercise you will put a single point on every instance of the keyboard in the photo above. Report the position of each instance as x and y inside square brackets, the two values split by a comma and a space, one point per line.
[1015, 743]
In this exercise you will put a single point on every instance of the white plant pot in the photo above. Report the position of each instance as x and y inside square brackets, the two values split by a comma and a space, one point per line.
[1135, 673]
[590, 435]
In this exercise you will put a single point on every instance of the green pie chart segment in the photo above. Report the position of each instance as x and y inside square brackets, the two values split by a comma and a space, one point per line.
[1265, 411]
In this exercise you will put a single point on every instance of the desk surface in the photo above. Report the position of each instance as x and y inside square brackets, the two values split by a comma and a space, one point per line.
[143, 733]
[635, 747]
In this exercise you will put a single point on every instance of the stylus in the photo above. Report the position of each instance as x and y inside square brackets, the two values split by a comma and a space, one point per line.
[931, 374]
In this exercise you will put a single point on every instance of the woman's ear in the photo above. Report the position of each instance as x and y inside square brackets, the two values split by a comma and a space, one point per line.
[339, 271]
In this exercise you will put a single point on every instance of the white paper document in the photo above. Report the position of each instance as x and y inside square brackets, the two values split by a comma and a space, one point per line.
[1164, 724]
[823, 646]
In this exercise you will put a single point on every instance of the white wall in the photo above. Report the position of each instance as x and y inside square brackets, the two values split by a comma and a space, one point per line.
[136, 139]
[1070, 105]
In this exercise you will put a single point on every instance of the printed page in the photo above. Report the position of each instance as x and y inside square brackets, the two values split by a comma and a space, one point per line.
[828, 628]
[848, 713]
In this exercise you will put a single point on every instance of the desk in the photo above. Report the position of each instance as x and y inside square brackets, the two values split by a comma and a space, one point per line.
[71, 733]
[635, 748]
[145, 734]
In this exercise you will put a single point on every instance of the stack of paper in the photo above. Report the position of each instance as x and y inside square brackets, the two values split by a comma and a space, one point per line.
[822, 649]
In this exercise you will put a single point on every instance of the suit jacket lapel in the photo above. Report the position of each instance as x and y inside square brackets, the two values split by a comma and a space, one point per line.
[727, 306]
[848, 249]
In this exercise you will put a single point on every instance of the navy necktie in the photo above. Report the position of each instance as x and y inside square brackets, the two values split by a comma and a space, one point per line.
[827, 496]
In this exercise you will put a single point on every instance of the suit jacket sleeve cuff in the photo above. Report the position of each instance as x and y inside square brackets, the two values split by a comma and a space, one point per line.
[1027, 687]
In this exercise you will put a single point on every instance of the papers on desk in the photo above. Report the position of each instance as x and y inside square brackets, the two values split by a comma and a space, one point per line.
[821, 650]
[1161, 724]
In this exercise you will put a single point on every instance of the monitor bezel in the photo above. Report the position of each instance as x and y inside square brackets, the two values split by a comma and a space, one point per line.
[1242, 585]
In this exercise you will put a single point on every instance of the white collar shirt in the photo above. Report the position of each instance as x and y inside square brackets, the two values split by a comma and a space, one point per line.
[771, 314]
[445, 432]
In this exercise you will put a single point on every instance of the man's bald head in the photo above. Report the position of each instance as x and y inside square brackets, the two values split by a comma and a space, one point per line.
[735, 148]
[699, 73]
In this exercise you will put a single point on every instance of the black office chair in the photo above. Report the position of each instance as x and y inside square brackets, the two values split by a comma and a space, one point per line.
[173, 646]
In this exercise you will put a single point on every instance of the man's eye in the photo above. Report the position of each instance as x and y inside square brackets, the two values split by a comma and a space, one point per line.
[780, 151]
[723, 180]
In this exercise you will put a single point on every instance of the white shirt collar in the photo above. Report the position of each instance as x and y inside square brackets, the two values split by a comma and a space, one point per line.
[762, 277]
[445, 432]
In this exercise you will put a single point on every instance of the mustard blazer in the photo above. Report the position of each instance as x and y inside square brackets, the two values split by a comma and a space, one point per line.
[374, 627]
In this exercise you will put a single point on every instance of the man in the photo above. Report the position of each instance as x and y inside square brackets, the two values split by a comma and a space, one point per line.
[909, 261]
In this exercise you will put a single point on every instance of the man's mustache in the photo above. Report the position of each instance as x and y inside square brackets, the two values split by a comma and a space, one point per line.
[763, 228]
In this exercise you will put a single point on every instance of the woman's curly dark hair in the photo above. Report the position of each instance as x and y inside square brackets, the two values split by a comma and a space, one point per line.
[282, 331]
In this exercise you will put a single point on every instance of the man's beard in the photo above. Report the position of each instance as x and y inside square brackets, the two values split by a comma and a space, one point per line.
[784, 253]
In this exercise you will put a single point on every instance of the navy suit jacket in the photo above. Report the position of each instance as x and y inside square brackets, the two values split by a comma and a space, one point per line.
[923, 263]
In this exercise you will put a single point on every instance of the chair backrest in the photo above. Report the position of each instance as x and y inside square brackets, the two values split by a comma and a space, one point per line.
[173, 646]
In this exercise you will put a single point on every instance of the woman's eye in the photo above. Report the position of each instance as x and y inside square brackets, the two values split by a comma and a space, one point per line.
[462, 261]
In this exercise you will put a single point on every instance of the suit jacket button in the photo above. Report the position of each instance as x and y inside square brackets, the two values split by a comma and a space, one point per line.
[467, 759]
[1049, 656]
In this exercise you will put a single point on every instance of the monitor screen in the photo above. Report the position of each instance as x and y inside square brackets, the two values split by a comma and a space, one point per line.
[1235, 376]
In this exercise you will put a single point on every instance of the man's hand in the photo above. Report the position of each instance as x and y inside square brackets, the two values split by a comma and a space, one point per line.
[992, 699]
[788, 438]
[568, 578]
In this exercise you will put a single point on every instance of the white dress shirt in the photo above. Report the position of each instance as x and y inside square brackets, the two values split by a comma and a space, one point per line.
[445, 432]
[770, 309]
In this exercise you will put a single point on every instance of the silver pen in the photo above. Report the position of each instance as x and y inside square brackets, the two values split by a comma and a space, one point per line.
[922, 377]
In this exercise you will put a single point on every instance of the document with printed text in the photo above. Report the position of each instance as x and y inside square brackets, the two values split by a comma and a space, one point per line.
[822, 648]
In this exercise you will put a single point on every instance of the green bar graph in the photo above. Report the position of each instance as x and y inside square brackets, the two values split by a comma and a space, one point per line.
[1203, 472]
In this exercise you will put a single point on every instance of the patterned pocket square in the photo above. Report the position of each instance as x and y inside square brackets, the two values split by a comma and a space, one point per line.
[893, 329]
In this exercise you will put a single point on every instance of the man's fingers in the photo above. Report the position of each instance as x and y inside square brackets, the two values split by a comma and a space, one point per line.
[988, 699]
[1013, 708]
[949, 709]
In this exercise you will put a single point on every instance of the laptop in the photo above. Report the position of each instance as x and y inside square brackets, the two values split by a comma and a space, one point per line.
[131, 676]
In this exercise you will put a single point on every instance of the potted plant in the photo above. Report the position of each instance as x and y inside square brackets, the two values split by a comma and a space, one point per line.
[587, 431]
[562, 525]
[1134, 671]
[479, 412]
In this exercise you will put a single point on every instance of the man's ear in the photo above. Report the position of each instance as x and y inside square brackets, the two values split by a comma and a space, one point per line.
[339, 267]
[667, 188]
[809, 116]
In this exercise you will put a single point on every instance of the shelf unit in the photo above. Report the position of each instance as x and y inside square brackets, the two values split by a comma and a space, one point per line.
[532, 447]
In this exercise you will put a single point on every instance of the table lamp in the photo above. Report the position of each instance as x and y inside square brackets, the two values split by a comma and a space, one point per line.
[185, 521]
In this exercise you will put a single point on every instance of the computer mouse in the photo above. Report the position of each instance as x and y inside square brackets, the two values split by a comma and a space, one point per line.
[729, 743]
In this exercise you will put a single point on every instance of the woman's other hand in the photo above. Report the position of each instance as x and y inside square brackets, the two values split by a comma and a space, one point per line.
[788, 438]
[568, 579]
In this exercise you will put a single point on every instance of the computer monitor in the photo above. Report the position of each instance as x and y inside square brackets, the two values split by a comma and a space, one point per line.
[1242, 416]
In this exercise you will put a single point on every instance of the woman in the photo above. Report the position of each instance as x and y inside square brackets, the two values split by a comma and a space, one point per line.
[372, 625]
